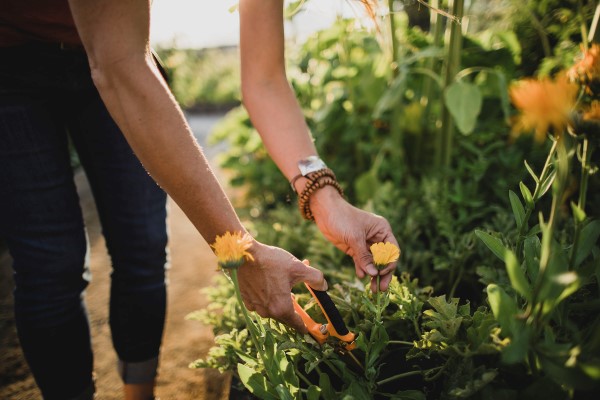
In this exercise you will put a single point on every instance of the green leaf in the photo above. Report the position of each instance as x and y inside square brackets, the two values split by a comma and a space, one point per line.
[518, 347]
[517, 208]
[552, 287]
[327, 390]
[503, 91]
[256, 383]
[578, 213]
[283, 392]
[531, 248]
[313, 392]
[546, 184]
[391, 97]
[503, 306]
[356, 391]
[588, 238]
[573, 377]
[591, 369]
[526, 194]
[530, 170]
[408, 395]
[464, 102]
[517, 276]
[493, 243]
[377, 342]
[570, 281]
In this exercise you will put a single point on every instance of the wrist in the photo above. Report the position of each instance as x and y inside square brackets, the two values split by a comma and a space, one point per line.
[316, 186]
[324, 199]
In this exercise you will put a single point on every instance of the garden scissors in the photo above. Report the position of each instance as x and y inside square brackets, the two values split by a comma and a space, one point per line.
[334, 327]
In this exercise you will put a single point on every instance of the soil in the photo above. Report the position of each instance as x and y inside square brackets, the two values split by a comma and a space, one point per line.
[192, 268]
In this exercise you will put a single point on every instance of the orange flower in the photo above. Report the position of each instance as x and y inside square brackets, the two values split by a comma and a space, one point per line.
[230, 249]
[543, 104]
[588, 67]
[384, 253]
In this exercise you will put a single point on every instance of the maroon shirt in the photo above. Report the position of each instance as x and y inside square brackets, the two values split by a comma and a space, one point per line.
[26, 21]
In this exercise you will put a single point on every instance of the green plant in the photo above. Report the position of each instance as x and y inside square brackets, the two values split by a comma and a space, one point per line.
[434, 335]
[549, 265]
[203, 79]
[526, 325]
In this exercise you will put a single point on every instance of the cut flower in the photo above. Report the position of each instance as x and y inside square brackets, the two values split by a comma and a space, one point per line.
[543, 104]
[384, 253]
[231, 249]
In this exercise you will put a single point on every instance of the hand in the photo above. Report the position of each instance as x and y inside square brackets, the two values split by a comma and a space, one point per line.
[353, 231]
[266, 283]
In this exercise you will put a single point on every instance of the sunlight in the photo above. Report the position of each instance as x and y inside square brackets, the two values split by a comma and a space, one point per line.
[210, 23]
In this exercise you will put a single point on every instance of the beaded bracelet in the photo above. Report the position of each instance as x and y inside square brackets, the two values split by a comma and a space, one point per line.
[316, 180]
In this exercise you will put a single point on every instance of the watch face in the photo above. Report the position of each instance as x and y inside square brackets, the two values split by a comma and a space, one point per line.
[310, 164]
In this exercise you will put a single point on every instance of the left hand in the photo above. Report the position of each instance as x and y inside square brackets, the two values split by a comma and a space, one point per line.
[353, 231]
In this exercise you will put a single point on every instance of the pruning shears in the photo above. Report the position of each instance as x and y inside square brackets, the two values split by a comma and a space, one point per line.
[335, 326]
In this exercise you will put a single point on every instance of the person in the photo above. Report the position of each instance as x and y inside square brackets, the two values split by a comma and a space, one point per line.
[41, 221]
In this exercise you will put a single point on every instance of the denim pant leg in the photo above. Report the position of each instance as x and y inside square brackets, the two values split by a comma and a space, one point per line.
[132, 210]
[41, 220]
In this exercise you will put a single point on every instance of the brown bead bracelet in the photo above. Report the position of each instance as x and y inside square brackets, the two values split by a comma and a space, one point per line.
[316, 181]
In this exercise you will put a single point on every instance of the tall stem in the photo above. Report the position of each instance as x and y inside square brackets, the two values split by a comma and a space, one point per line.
[379, 311]
[427, 94]
[252, 329]
[585, 173]
[453, 60]
[583, 184]
[393, 39]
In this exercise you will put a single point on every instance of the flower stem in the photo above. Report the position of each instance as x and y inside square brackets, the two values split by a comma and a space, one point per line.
[583, 185]
[401, 342]
[399, 376]
[379, 311]
[252, 329]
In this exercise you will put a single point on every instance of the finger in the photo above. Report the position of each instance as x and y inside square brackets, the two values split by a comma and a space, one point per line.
[384, 281]
[284, 312]
[363, 259]
[359, 272]
[312, 276]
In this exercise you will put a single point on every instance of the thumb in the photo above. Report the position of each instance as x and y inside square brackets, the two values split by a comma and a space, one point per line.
[312, 276]
[363, 260]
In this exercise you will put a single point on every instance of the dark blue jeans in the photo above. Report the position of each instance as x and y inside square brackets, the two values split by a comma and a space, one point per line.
[47, 97]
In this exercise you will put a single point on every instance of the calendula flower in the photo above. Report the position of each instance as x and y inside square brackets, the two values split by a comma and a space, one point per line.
[543, 104]
[384, 253]
[230, 249]
[587, 68]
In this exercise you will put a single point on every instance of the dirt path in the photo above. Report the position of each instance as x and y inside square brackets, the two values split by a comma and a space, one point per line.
[192, 267]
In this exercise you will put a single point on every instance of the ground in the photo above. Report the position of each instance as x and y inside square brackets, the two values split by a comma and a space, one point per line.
[192, 267]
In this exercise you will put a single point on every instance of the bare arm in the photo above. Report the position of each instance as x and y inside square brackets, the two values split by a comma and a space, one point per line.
[115, 36]
[277, 116]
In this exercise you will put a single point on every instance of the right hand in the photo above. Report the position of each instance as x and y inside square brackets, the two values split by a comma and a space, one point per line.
[266, 283]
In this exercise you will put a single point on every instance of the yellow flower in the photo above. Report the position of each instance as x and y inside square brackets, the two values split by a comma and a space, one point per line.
[230, 249]
[543, 104]
[384, 253]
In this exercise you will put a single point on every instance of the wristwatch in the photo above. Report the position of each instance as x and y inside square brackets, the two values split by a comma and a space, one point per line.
[310, 164]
